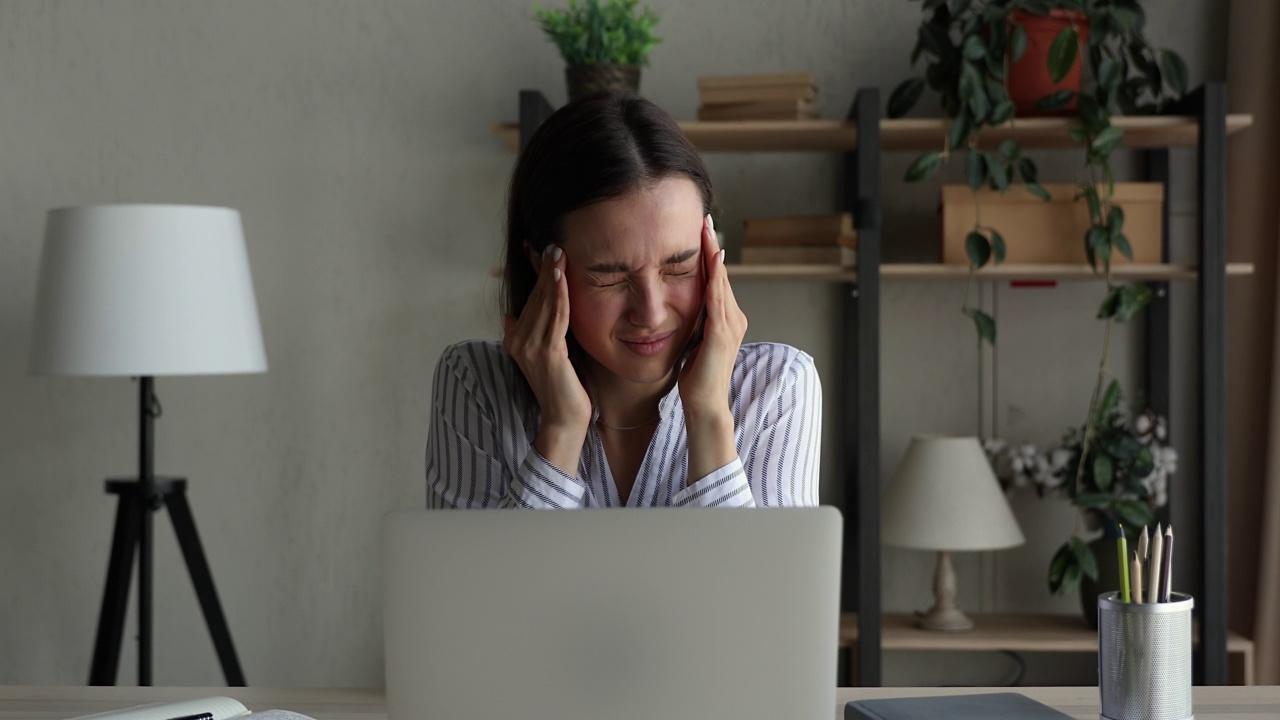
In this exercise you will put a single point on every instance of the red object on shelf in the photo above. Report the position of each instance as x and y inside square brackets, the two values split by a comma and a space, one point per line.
[1029, 78]
[1033, 283]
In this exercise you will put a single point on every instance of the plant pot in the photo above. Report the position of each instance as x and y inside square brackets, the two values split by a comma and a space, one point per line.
[586, 79]
[1104, 549]
[1029, 78]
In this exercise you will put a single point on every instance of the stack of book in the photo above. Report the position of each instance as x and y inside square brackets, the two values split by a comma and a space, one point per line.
[783, 96]
[800, 240]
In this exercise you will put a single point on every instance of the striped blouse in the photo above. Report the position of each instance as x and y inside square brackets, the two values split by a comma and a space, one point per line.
[480, 451]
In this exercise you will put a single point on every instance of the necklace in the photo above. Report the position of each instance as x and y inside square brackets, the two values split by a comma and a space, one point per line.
[624, 428]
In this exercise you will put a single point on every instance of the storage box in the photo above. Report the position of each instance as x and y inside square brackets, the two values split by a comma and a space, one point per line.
[1040, 232]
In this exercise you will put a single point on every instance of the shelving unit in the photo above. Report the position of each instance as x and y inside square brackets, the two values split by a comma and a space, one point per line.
[1201, 122]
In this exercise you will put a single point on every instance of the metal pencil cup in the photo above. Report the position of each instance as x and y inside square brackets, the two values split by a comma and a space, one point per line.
[1144, 658]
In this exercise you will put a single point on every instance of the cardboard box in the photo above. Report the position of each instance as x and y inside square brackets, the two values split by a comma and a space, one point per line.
[1039, 232]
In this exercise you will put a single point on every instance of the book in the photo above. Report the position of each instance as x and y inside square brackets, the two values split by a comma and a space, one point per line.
[841, 255]
[729, 96]
[211, 708]
[830, 229]
[984, 706]
[708, 82]
[769, 110]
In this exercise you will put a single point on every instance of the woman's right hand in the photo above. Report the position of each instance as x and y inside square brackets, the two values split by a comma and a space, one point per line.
[536, 341]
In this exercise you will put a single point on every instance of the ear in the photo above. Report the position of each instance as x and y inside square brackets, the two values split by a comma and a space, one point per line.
[534, 258]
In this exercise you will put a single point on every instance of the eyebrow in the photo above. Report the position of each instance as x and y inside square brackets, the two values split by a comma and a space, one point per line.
[614, 267]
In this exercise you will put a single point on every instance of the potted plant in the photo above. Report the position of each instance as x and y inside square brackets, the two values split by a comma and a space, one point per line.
[978, 55]
[603, 43]
[1126, 478]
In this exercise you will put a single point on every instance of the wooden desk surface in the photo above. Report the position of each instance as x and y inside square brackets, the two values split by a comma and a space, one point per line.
[58, 703]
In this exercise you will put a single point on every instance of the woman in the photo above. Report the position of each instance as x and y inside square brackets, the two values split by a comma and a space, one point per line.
[621, 379]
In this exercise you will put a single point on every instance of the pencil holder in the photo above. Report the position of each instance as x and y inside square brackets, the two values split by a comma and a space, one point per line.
[1144, 658]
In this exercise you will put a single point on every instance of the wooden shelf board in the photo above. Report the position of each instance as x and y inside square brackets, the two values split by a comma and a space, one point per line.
[938, 271]
[1020, 633]
[915, 133]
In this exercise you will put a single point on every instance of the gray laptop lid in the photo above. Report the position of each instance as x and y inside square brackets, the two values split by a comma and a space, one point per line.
[577, 615]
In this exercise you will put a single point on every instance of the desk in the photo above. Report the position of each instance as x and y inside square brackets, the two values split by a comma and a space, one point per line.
[56, 703]
[1019, 633]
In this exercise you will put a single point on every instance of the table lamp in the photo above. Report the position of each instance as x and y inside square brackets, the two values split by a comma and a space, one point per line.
[140, 291]
[945, 497]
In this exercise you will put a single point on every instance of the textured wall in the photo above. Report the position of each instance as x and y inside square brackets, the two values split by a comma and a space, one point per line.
[354, 138]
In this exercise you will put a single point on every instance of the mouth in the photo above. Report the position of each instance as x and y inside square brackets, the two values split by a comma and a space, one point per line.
[650, 345]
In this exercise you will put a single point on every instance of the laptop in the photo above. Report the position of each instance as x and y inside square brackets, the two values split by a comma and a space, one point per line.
[660, 613]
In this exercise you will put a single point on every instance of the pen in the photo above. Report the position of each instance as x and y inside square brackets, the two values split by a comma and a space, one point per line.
[1153, 566]
[1166, 566]
[198, 716]
[1122, 550]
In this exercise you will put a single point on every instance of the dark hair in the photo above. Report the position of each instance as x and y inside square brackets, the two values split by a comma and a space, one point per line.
[596, 148]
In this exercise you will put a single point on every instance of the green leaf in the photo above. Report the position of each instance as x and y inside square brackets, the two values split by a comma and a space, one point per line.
[1098, 501]
[958, 133]
[935, 41]
[959, 6]
[1084, 558]
[1107, 140]
[1135, 513]
[1110, 74]
[1124, 447]
[970, 82]
[997, 246]
[905, 96]
[1058, 567]
[1002, 112]
[1122, 244]
[1142, 465]
[1125, 18]
[1010, 149]
[977, 248]
[1038, 190]
[1096, 245]
[974, 48]
[1109, 304]
[1110, 397]
[1095, 204]
[999, 172]
[1078, 134]
[924, 166]
[1017, 43]
[1115, 221]
[1102, 471]
[975, 170]
[1175, 71]
[1062, 53]
[1071, 578]
[1054, 102]
[1027, 168]
[986, 326]
[1091, 114]
[1132, 299]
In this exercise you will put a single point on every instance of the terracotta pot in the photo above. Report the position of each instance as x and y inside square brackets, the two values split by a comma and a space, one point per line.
[586, 79]
[1029, 78]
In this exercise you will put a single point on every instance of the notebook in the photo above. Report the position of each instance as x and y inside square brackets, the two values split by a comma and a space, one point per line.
[986, 706]
[214, 708]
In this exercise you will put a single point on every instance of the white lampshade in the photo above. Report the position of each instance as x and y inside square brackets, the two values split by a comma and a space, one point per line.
[139, 290]
[944, 496]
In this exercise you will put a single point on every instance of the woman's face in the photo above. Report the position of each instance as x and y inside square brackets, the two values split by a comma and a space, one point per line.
[635, 280]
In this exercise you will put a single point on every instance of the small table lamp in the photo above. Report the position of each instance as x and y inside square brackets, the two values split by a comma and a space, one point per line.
[140, 291]
[945, 497]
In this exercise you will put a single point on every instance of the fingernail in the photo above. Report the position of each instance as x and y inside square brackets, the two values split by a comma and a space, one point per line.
[555, 273]
[711, 223]
[556, 256]
[721, 256]
[546, 251]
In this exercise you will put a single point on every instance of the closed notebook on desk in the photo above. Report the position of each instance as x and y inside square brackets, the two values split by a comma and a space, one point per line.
[987, 706]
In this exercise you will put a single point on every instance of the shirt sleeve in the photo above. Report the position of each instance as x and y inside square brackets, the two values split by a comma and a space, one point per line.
[783, 459]
[469, 439]
[723, 487]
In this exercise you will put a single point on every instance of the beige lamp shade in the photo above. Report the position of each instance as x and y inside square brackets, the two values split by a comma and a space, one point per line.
[944, 496]
[142, 290]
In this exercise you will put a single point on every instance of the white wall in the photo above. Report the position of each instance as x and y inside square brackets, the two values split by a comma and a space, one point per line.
[354, 138]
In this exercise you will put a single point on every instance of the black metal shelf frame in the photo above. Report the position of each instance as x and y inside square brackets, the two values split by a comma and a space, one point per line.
[860, 192]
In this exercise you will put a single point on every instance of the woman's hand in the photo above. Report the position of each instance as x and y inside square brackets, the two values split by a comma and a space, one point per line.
[536, 341]
[704, 380]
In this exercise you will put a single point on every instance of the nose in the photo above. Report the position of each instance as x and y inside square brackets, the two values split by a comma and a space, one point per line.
[647, 306]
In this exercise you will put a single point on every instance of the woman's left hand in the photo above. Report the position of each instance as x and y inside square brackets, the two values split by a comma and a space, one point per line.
[704, 380]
